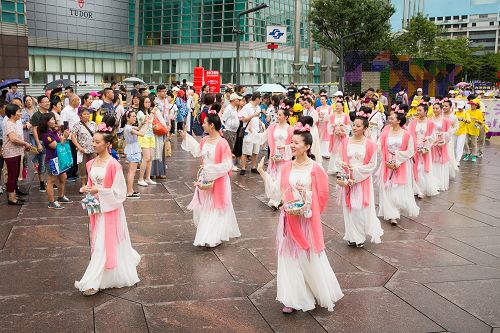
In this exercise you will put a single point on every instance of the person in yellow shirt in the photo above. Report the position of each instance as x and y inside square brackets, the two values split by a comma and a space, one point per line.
[473, 131]
[463, 118]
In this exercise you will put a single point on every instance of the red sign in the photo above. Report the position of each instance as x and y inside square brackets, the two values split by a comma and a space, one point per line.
[199, 78]
[212, 78]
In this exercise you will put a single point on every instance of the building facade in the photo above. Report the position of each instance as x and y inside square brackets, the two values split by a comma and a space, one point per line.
[93, 41]
[478, 20]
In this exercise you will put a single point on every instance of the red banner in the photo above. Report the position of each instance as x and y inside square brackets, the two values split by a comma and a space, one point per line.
[199, 78]
[212, 78]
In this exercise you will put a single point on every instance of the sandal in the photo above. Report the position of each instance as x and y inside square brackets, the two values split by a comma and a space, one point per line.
[90, 292]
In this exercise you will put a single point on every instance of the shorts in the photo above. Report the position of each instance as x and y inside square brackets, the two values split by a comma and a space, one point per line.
[146, 141]
[134, 158]
[249, 147]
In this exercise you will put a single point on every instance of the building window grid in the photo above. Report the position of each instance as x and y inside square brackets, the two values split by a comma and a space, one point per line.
[13, 11]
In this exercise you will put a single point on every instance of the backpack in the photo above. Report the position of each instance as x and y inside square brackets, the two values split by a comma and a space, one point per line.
[399, 98]
[197, 124]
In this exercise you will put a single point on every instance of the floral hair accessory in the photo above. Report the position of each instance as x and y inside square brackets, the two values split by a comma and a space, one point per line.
[362, 114]
[210, 111]
[103, 128]
[302, 128]
[398, 110]
[284, 106]
[339, 100]
[394, 106]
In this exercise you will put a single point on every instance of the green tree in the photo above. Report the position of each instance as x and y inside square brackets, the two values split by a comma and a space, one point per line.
[332, 19]
[419, 38]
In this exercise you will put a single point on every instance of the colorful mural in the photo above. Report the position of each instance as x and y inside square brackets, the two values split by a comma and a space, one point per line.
[392, 72]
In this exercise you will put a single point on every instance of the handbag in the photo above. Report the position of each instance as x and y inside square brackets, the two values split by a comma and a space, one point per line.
[167, 148]
[63, 160]
[158, 128]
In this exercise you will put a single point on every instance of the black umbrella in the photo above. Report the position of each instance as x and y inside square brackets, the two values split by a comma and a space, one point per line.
[61, 83]
[6, 83]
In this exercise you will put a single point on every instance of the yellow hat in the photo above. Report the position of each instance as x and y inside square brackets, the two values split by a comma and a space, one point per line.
[415, 102]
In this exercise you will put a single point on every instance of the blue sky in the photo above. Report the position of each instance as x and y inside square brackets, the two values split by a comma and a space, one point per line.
[447, 8]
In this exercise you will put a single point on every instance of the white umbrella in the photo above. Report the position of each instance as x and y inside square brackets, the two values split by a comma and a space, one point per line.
[271, 88]
[133, 79]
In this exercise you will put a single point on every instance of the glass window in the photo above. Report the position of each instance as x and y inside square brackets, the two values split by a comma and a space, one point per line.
[20, 7]
[216, 64]
[8, 6]
[120, 66]
[165, 66]
[147, 66]
[205, 63]
[89, 65]
[20, 19]
[98, 66]
[108, 66]
[156, 66]
[80, 65]
[68, 64]
[39, 63]
[53, 64]
[8, 17]
[174, 66]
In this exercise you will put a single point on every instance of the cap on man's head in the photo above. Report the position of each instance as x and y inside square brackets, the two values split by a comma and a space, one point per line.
[461, 104]
[420, 89]
[338, 93]
[235, 96]
[94, 94]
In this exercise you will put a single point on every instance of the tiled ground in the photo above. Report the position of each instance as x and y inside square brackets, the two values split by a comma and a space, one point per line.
[439, 272]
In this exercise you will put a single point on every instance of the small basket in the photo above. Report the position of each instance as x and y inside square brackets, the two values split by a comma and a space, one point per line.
[294, 207]
[203, 184]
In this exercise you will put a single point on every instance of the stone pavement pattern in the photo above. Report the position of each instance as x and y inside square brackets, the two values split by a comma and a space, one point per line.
[436, 273]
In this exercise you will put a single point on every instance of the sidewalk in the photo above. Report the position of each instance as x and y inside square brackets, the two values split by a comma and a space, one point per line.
[439, 272]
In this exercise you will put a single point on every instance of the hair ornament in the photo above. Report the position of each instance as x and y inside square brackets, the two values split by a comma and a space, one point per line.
[210, 111]
[284, 106]
[103, 128]
[362, 114]
[302, 128]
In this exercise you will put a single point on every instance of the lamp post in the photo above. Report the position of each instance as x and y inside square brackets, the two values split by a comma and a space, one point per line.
[341, 58]
[238, 33]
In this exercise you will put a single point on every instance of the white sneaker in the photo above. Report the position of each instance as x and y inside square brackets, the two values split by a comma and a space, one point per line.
[151, 182]
[235, 168]
[142, 183]
[1, 189]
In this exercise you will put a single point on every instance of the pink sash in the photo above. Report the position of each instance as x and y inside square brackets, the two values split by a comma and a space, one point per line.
[440, 153]
[399, 173]
[365, 184]
[426, 157]
[113, 229]
[222, 151]
[320, 195]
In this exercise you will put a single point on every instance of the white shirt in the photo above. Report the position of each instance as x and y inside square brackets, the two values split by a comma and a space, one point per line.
[230, 118]
[70, 115]
[246, 112]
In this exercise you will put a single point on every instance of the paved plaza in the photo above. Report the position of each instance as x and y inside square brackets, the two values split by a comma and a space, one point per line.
[439, 272]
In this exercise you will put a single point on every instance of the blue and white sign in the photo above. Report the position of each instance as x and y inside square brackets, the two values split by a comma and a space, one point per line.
[276, 34]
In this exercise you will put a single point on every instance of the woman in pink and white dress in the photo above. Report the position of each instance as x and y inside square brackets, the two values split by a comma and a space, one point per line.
[324, 111]
[338, 128]
[422, 130]
[359, 161]
[213, 212]
[395, 173]
[113, 261]
[304, 275]
[309, 110]
[278, 136]
[439, 149]
[448, 113]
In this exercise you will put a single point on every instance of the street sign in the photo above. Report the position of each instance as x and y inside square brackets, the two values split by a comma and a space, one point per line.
[276, 34]
[212, 78]
[199, 78]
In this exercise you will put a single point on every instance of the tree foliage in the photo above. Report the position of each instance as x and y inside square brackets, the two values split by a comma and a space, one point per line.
[332, 19]
[419, 38]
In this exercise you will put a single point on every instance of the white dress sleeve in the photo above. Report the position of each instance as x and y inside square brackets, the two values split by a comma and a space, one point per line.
[271, 186]
[214, 171]
[191, 145]
[403, 156]
[113, 198]
[361, 172]
[257, 138]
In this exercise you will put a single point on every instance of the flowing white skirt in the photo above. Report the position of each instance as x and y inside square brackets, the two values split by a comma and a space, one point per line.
[316, 145]
[360, 222]
[441, 175]
[274, 192]
[395, 199]
[453, 165]
[333, 163]
[325, 146]
[426, 183]
[123, 275]
[214, 226]
[304, 278]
